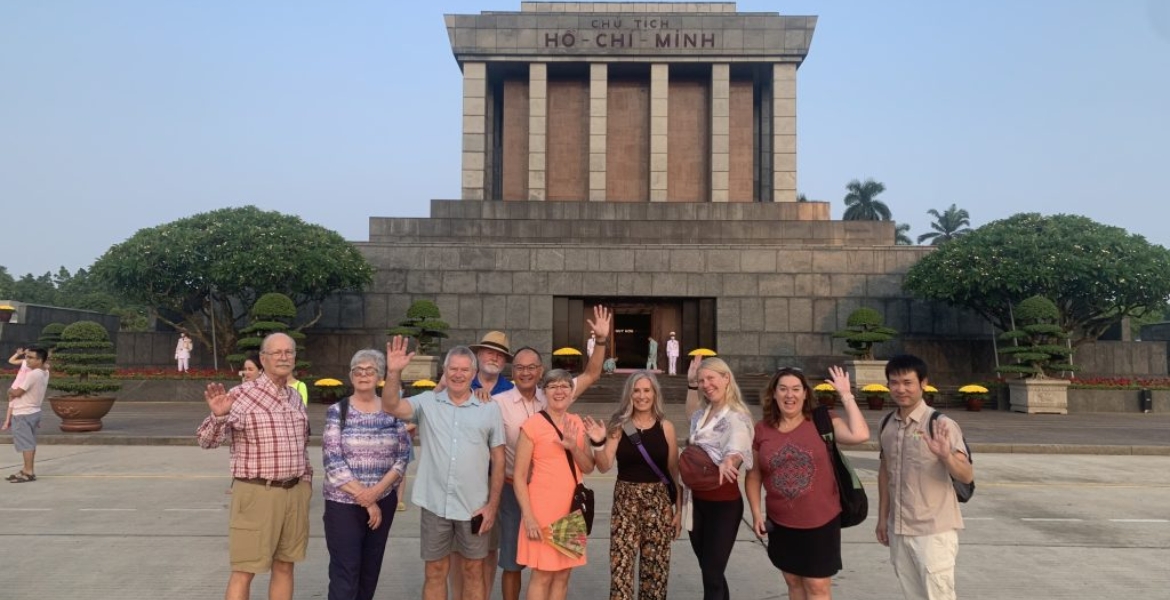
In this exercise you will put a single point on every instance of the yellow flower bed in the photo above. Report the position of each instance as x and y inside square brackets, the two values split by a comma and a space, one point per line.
[824, 387]
[973, 389]
[930, 389]
[327, 382]
[875, 388]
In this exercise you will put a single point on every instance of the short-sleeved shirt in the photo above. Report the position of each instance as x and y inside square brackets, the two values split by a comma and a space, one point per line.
[922, 498]
[797, 475]
[453, 474]
[371, 445]
[502, 385]
[515, 410]
[269, 431]
[36, 381]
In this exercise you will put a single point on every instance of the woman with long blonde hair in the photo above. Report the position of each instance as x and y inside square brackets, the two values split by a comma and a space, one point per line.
[721, 426]
[645, 517]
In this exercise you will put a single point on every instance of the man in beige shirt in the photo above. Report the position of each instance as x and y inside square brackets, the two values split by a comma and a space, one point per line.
[918, 512]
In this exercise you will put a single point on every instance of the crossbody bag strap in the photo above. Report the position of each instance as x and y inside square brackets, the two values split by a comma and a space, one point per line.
[568, 455]
[636, 439]
[824, 425]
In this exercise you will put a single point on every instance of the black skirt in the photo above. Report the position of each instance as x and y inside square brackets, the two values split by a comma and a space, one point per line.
[806, 552]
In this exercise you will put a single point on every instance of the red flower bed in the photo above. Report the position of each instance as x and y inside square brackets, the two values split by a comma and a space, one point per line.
[171, 373]
[1122, 383]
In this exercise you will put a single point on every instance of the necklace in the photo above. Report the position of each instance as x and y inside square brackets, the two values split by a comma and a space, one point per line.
[634, 420]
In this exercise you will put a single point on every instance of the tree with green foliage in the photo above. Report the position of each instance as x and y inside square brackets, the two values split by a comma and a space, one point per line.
[1095, 274]
[1039, 346]
[954, 222]
[202, 270]
[85, 355]
[423, 323]
[862, 204]
[902, 235]
[864, 328]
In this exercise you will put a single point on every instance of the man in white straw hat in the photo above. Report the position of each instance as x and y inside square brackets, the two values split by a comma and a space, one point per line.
[493, 355]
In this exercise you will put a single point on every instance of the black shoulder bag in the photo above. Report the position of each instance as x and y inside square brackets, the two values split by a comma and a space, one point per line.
[854, 503]
[582, 496]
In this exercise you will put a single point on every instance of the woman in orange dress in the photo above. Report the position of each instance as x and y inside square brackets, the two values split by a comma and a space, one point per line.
[544, 485]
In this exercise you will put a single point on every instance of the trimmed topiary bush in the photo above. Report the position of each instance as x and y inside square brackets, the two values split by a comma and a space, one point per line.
[86, 356]
[424, 324]
[272, 313]
[1041, 348]
[51, 335]
[864, 328]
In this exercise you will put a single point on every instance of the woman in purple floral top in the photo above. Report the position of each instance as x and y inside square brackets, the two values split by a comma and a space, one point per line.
[365, 462]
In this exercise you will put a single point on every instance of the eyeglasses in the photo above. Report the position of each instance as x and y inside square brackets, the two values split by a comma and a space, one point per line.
[363, 371]
[526, 368]
[557, 386]
[281, 353]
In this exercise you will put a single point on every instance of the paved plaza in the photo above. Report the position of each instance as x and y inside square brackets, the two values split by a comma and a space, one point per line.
[115, 521]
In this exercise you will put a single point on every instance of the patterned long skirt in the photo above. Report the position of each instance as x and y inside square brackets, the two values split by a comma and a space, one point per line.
[640, 534]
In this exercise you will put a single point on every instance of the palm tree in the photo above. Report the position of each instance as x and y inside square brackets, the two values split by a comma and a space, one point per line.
[862, 201]
[952, 223]
[902, 235]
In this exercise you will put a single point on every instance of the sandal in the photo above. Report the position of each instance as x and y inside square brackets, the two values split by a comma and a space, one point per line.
[13, 476]
[22, 477]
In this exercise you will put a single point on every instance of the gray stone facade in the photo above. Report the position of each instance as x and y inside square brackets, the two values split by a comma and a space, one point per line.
[779, 298]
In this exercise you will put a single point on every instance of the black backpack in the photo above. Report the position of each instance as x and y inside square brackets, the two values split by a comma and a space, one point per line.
[963, 491]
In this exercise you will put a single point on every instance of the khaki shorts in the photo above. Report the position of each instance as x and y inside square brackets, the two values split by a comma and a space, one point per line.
[268, 523]
[440, 537]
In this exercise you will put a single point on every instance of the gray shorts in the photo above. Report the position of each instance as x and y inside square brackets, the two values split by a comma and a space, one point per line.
[440, 537]
[24, 431]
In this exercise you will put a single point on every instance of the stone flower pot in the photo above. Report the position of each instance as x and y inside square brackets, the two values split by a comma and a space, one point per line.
[81, 413]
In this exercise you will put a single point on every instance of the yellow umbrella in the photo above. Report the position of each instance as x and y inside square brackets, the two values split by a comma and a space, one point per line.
[567, 351]
[701, 352]
[424, 383]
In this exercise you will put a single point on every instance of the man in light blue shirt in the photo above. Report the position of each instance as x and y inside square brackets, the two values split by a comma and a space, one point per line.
[461, 435]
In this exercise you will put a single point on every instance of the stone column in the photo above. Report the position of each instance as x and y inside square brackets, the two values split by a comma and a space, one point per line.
[720, 132]
[474, 129]
[598, 123]
[659, 122]
[784, 132]
[537, 129]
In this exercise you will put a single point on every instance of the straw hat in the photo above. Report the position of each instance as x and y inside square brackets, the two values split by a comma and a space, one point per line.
[494, 340]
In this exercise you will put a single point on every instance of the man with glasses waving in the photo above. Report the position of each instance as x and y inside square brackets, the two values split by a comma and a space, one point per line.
[516, 406]
[269, 428]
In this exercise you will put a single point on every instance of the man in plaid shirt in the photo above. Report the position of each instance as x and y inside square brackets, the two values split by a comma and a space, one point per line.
[269, 429]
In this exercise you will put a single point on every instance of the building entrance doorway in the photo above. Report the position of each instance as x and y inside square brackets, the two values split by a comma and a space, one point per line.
[636, 321]
[631, 334]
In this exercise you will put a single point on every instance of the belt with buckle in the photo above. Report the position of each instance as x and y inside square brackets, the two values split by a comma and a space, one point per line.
[285, 484]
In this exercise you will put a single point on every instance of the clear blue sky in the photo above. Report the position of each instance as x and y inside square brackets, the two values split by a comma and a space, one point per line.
[123, 114]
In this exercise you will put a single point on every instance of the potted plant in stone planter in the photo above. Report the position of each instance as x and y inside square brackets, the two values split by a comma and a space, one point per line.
[865, 328]
[875, 395]
[423, 323]
[973, 395]
[1040, 352]
[826, 394]
[85, 356]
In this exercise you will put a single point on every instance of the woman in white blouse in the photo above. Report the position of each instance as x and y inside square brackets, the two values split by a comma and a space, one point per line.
[721, 426]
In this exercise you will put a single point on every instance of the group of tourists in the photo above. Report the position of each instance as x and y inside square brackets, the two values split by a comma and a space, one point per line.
[502, 463]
